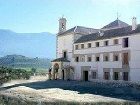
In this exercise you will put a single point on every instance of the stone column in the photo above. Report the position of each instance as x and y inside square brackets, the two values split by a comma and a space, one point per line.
[60, 73]
[52, 73]
[60, 70]
[101, 58]
[90, 74]
[65, 74]
[68, 74]
[120, 76]
[111, 74]
[111, 57]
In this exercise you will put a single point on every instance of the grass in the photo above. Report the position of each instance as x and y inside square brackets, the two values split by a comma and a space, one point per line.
[4, 100]
[39, 70]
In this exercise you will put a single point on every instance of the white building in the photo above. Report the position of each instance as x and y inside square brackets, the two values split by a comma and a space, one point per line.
[109, 53]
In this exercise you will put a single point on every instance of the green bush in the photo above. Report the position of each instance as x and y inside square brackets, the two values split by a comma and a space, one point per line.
[7, 74]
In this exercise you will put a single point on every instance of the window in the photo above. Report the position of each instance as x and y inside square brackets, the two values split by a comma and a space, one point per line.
[77, 59]
[125, 42]
[125, 58]
[76, 47]
[116, 75]
[97, 44]
[97, 58]
[116, 41]
[82, 59]
[125, 76]
[106, 75]
[63, 26]
[89, 45]
[106, 58]
[89, 59]
[82, 45]
[94, 75]
[65, 54]
[105, 43]
[115, 57]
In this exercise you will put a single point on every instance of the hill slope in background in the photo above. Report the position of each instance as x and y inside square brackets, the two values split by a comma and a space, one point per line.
[19, 61]
[29, 44]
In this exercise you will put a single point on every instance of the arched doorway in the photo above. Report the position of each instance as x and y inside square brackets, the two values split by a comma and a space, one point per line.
[56, 68]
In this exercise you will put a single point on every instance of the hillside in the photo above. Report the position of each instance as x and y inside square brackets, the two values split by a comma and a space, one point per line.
[29, 44]
[19, 61]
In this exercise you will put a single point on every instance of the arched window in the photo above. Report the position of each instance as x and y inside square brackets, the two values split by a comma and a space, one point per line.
[56, 67]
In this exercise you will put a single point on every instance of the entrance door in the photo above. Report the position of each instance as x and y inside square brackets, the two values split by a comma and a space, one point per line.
[116, 75]
[85, 75]
[106, 75]
[125, 76]
[63, 74]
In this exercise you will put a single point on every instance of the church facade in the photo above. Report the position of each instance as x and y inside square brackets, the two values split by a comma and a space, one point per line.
[88, 54]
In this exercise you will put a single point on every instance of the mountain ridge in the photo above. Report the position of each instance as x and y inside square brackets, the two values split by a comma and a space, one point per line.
[41, 45]
[20, 61]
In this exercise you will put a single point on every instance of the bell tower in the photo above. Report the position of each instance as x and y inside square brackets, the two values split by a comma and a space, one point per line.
[62, 24]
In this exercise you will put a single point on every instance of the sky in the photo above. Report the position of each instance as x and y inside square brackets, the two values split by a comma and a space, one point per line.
[35, 16]
[31, 16]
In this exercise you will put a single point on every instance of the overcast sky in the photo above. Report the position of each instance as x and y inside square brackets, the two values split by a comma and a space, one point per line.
[42, 15]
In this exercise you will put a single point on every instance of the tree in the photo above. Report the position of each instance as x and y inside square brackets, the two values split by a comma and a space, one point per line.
[33, 71]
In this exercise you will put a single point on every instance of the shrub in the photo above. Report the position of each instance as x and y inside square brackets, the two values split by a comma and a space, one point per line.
[7, 74]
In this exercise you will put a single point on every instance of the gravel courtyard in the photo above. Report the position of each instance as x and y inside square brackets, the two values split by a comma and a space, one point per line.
[72, 91]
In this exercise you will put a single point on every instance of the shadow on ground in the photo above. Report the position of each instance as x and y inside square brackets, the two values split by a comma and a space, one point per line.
[127, 93]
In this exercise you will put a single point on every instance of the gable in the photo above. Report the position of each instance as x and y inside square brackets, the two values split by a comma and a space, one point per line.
[115, 24]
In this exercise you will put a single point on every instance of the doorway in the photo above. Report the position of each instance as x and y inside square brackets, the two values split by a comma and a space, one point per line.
[63, 74]
[125, 76]
[65, 54]
[56, 68]
[116, 75]
[85, 75]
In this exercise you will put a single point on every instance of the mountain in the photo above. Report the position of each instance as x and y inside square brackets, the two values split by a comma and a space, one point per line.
[19, 61]
[28, 44]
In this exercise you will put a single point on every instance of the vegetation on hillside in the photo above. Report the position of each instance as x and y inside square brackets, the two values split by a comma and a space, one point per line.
[7, 74]
[19, 61]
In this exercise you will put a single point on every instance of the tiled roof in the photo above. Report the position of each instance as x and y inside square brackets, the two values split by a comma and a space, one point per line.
[67, 31]
[109, 34]
[116, 24]
[60, 60]
[79, 30]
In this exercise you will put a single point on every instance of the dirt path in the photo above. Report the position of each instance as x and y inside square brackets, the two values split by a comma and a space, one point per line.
[63, 91]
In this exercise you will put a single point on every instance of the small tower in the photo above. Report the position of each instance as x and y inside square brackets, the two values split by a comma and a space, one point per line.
[62, 24]
[134, 23]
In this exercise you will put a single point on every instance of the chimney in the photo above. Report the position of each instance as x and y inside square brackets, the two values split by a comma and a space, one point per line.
[134, 23]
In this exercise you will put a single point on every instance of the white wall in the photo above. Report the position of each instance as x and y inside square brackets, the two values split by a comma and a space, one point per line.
[134, 50]
[102, 48]
[65, 42]
[135, 75]
[135, 57]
